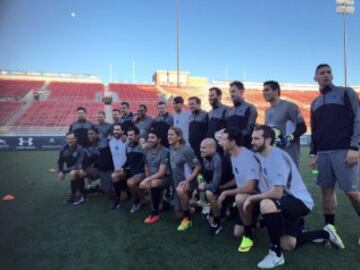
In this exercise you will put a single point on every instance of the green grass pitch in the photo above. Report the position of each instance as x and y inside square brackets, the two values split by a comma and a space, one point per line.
[38, 232]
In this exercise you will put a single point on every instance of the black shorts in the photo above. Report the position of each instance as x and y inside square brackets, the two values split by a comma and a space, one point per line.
[292, 210]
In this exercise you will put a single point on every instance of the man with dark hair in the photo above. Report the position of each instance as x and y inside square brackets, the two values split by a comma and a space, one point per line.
[118, 152]
[286, 120]
[103, 127]
[246, 172]
[198, 125]
[72, 154]
[283, 200]
[116, 116]
[81, 127]
[243, 115]
[181, 117]
[127, 117]
[135, 166]
[217, 116]
[98, 162]
[162, 122]
[181, 156]
[334, 150]
[156, 167]
[142, 121]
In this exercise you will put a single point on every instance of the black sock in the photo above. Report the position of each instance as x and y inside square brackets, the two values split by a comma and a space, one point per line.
[329, 219]
[248, 231]
[308, 237]
[81, 186]
[217, 220]
[273, 225]
[187, 214]
[156, 198]
[136, 200]
[123, 185]
[73, 187]
[117, 188]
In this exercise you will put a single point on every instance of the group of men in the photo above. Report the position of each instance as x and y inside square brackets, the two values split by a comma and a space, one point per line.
[223, 154]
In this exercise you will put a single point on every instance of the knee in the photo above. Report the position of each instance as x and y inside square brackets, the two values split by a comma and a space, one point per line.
[179, 190]
[267, 206]
[288, 244]
[73, 175]
[114, 177]
[209, 195]
[240, 198]
[353, 195]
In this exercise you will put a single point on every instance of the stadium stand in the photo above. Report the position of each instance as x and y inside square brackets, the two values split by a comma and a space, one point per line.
[137, 94]
[75, 91]
[7, 108]
[18, 88]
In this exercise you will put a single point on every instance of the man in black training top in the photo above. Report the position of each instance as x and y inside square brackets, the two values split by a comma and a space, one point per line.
[81, 127]
[72, 154]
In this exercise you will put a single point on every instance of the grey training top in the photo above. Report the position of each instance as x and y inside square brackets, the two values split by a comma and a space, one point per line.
[245, 166]
[144, 126]
[284, 116]
[179, 157]
[154, 159]
[278, 169]
[212, 171]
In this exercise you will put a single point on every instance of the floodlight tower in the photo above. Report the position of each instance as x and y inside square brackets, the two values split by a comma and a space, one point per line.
[345, 7]
[177, 46]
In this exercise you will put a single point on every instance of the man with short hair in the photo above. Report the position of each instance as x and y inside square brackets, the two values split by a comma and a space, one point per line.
[246, 171]
[182, 155]
[81, 127]
[127, 116]
[157, 179]
[116, 116]
[283, 200]
[335, 138]
[142, 121]
[118, 152]
[243, 115]
[212, 174]
[98, 162]
[198, 126]
[72, 154]
[103, 127]
[135, 166]
[286, 120]
[181, 117]
[218, 113]
[162, 122]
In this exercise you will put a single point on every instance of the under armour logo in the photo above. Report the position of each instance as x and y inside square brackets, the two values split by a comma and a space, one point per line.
[51, 140]
[22, 141]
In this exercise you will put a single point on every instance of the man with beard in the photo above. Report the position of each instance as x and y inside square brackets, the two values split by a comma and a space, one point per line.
[157, 179]
[118, 152]
[127, 117]
[162, 122]
[243, 115]
[283, 200]
[135, 166]
[198, 126]
[142, 121]
[181, 117]
[217, 116]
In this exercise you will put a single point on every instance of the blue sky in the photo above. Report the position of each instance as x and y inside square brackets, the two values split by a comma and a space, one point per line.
[280, 39]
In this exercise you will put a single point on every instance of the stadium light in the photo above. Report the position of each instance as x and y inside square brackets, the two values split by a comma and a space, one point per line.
[177, 46]
[345, 7]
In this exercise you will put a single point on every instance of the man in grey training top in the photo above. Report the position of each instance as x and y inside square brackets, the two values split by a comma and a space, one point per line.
[286, 120]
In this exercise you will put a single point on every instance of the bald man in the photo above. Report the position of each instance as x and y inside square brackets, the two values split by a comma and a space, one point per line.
[212, 173]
